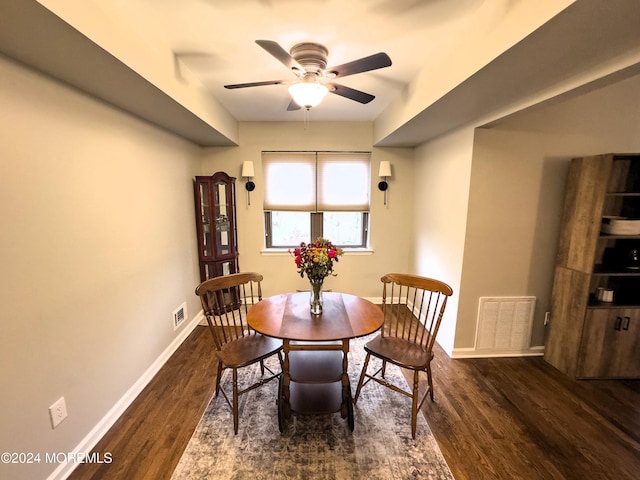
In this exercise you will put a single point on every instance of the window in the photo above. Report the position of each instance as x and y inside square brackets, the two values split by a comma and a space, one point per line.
[316, 194]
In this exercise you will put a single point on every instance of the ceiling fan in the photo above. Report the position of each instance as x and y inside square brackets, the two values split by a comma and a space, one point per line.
[308, 62]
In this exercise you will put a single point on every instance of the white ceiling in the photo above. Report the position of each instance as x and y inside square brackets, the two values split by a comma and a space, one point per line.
[215, 40]
[454, 61]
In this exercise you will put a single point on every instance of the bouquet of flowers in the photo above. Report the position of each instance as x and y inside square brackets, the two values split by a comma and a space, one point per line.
[315, 260]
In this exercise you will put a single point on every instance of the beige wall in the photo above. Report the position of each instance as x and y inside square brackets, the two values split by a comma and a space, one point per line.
[390, 227]
[517, 193]
[97, 248]
[441, 182]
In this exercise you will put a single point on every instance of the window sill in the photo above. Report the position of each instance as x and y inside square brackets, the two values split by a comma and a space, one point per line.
[347, 251]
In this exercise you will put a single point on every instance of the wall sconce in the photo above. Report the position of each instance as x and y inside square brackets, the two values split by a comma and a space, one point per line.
[384, 172]
[248, 173]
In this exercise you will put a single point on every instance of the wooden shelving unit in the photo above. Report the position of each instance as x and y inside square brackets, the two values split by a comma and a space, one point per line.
[589, 338]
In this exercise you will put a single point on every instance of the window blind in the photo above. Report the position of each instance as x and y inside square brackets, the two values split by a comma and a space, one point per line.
[290, 182]
[316, 181]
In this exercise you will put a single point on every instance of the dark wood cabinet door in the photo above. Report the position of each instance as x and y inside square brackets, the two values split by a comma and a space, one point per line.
[610, 344]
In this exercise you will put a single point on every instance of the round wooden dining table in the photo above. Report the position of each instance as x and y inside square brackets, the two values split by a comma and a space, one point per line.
[314, 372]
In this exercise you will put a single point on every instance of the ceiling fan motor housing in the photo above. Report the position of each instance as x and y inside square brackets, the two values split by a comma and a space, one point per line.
[312, 56]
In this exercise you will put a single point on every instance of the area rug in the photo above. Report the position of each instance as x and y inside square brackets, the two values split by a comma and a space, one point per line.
[314, 447]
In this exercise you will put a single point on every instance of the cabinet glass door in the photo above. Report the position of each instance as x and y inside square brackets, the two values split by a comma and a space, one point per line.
[217, 269]
[205, 217]
[223, 225]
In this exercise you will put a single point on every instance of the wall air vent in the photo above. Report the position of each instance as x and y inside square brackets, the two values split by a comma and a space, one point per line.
[179, 315]
[504, 324]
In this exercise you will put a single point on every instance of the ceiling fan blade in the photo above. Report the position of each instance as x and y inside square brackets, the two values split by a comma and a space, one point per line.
[372, 62]
[293, 106]
[282, 55]
[257, 84]
[350, 93]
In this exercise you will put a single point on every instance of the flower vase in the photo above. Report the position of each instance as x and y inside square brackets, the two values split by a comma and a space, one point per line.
[315, 297]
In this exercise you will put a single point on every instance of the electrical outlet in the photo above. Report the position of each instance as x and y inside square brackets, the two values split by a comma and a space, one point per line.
[58, 412]
[546, 318]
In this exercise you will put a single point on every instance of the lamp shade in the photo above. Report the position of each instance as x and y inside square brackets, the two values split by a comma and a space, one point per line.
[308, 94]
[385, 169]
[247, 169]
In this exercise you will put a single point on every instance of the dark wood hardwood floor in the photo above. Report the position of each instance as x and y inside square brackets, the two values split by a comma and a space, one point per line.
[506, 418]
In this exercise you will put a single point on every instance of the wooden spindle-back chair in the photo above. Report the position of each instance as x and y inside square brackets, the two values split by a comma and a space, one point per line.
[413, 307]
[226, 301]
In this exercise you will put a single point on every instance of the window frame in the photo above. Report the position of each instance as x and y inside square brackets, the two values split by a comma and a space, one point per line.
[316, 217]
[316, 228]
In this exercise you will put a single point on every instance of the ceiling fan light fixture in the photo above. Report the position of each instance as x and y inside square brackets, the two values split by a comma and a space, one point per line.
[308, 94]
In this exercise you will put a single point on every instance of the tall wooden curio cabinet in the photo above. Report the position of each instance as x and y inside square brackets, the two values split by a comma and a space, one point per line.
[215, 198]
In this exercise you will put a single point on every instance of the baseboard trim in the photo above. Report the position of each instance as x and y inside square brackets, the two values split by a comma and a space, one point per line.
[64, 469]
[473, 353]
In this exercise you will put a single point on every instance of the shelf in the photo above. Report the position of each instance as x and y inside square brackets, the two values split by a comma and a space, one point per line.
[316, 398]
[602, 270]
[318, 366]
[597, 304]
[610, 305]
[609, 236]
